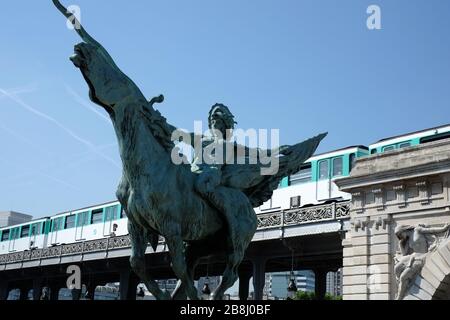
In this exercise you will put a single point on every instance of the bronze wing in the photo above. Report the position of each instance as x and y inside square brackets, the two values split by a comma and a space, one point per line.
[259, 188]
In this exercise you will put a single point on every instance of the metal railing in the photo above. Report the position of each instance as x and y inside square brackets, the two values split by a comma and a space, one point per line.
[278, 219]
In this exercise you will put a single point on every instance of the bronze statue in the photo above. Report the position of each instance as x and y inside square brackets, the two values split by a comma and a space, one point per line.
[198, 214]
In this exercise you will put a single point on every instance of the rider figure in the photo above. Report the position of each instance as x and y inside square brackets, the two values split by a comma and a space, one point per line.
[221, 124]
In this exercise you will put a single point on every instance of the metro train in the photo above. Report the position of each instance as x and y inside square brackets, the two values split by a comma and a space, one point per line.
[312, 185]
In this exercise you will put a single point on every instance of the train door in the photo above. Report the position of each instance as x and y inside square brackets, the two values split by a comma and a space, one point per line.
[57, 225]
[82, 221]
[109, 218]
[13, 238]
[323, 180]
[337, 170]
[36, 230]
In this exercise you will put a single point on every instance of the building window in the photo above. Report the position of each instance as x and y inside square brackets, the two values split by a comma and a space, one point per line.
[97, 216]
[323, 169]
[436, 188]
[304, 175]
[70, 222]
[413, 192]
[25, 232]
[337, 167]
[370, 198]
[390, 195]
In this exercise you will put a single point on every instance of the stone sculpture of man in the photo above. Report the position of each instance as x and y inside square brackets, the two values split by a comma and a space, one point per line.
[414, 244]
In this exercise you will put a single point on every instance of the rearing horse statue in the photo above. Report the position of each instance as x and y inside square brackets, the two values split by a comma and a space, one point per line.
[159, 196]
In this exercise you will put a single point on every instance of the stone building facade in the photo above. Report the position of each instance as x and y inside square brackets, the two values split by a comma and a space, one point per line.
[409, 186]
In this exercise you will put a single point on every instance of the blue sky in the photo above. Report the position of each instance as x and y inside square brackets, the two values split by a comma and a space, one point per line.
[301, 66]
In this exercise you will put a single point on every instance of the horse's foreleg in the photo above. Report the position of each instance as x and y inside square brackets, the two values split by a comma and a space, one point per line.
[137, 260]
[180, 267]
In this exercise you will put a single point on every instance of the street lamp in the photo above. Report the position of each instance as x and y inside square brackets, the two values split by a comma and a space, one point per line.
[292, 287]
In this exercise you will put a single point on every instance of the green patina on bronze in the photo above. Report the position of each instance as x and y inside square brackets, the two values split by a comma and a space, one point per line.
[199, 213]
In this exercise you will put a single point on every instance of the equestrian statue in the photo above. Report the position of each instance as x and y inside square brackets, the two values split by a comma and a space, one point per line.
[201, 210]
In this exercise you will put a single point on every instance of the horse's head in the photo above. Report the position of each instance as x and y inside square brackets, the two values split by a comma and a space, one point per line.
[108, 85]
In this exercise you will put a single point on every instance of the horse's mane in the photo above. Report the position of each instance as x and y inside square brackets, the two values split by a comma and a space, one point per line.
[159, 127]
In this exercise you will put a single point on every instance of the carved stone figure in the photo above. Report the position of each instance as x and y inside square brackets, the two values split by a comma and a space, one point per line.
[197, 219]
[414, 243]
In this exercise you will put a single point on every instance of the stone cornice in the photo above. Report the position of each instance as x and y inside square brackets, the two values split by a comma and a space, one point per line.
[428, 169]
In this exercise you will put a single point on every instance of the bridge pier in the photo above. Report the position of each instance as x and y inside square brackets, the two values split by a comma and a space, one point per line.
[54, 292]
[76, 294]
[244, 284]
[24, 290]
[259, 277]
[90, 290]
[128, 285]
[37, 289]
[4, 290]
[320, 283]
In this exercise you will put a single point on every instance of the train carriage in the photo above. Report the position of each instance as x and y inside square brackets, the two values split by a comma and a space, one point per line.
[26, 236]
[88, 224]
[314, 183]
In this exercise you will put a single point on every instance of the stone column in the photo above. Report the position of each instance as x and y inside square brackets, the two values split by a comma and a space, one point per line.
[244, 284]
[128, 285]
[320, 283]
[259, 277]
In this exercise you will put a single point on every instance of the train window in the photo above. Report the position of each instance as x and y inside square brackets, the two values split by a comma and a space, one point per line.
[404, 145]
[25, 232]
[123, 213]
[70, 222]
[352, 160]
[111, 213]
[35, 229]
[304, 175]
[14, 233]
[435, 137]
[57, 224]
[83, 219]
[337, 167]
[373, 151]
[97, 216]
[388, 148]
[5, 235]
[323, 169]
